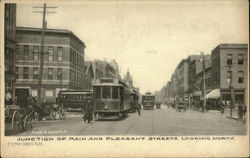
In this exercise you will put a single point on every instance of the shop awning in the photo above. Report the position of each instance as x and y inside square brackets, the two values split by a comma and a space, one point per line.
[214, 94]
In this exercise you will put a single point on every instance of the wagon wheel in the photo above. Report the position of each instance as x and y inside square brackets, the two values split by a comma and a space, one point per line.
[62, 113]
[16, 122]
[53, 114]
[27, 122]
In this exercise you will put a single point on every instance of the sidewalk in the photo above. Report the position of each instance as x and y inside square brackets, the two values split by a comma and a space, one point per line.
[234, 114]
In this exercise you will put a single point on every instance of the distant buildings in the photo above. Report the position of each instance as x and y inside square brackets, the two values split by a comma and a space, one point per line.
[63, 61]
[227, 62]
[10, 48]
[104, 69]
[128, 79]
[88, 75]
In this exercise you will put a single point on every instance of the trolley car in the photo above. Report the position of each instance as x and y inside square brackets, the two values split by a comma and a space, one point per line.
[75, 100]
[134, 100]
[148, 101]
[112, 98]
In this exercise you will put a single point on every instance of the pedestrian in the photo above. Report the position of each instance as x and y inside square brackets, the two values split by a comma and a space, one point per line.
[138, 108]
[222, 109]
[240, 111]
[244, 109]
[85, 117]
[89, 111]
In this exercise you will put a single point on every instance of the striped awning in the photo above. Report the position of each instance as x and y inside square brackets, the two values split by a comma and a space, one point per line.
[214, 94]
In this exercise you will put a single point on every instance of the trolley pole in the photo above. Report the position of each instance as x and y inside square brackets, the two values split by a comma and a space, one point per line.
[204, 82]
[40, 76]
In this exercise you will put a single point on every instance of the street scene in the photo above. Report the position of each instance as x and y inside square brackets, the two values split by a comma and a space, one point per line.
[160, 122]
[125, 69]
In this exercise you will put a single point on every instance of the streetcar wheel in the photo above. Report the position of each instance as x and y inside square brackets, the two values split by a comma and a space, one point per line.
[16, 122]
[27, 122]
[62, 113]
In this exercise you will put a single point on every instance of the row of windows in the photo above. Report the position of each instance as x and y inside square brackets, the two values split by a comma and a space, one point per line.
[76, 77]
[230, 59]
[106, 92]
[9, 60]
[36, 72]
[75, 58]
[9, 28]
[37, 50]
[240, 76]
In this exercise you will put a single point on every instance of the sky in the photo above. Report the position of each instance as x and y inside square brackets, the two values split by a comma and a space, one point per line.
[147, 38]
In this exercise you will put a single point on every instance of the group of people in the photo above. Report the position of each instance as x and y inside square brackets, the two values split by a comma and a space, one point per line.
[242, 109]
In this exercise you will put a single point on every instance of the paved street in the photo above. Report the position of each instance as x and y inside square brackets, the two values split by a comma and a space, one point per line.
[162, 121]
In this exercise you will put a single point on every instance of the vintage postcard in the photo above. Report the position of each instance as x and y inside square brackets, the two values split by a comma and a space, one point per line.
[141, 78]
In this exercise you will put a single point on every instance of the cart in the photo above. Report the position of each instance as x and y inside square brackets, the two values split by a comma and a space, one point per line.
[17, 119]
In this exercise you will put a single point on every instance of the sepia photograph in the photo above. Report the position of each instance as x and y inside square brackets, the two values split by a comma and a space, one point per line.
[125, 70]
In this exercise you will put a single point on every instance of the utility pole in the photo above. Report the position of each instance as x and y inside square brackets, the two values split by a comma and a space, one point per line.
[44, 26]
[174, 89]
[231, 91]
[204, 82]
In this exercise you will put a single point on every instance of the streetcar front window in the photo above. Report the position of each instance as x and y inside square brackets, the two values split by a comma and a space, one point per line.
[106, 92]
[114, 92]
[97, 92]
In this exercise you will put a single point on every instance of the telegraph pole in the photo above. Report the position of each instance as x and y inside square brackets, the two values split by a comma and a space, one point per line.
[204, 81]
[41, 58]
[40, 76]
[231, 92]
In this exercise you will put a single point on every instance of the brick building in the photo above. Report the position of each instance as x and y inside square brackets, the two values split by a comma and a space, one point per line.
[63, 61]
[235, 56]
[182, 80]
[196, 76]
[9, 48]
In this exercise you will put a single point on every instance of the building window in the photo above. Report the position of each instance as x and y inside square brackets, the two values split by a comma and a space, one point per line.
[50, 53]
[17, 72]
[240, 59]
[26, 52]
[17, 53]
[241, 78]
[6, 60]
[229, 76]
[59, 53]
[71, 56]
[50, 73]
[74, 57]
[35, 73]
[49, 93]
[25, 73]
[35, 53]
[34, 93]
[59, 74]
[229, 59]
